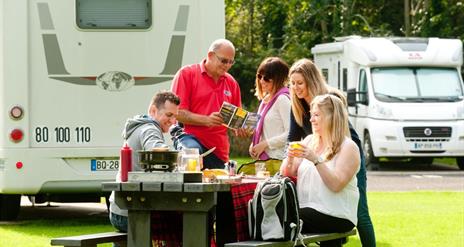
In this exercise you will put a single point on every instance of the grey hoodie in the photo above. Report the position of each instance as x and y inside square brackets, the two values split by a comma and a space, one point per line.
[141, 133]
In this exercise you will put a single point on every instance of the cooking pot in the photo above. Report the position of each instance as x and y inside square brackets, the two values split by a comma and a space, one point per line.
[158, 160]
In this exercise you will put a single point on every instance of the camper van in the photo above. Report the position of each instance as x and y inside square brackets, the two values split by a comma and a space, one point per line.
[72, 72]
[405, 95]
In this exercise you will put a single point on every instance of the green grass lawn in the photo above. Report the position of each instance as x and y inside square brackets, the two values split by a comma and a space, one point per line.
[400, 219]
[416, 218]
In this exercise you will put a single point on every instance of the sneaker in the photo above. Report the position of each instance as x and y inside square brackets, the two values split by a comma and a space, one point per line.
[176, 132]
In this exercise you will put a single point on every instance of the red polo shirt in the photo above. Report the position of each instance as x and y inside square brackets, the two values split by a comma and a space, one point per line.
[200, 94]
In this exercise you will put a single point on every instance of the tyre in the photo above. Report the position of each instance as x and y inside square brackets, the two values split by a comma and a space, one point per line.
[422, 161]
[107, 201]
[460, 162]
[372, 162]
[9, 206]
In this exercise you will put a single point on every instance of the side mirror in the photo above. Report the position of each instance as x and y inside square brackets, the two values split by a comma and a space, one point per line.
[351, 97]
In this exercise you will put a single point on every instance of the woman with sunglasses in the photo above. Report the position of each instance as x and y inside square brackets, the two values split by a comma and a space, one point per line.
[306, 82]
[326, 163]
[270, 136]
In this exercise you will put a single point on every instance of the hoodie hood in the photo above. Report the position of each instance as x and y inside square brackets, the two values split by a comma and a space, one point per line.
[133, 123]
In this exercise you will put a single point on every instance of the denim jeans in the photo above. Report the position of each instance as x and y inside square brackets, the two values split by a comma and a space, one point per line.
[364, 226]
[119, 222]
[189, 141]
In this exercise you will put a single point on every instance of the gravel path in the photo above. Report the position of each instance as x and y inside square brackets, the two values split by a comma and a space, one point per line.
[415, 180]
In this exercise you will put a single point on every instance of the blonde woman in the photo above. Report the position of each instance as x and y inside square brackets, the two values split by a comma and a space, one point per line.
[326, 163]
[306, 82]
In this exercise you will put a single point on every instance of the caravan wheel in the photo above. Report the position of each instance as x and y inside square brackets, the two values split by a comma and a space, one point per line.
[372, 162]
[460, 161]
[9, 206]
[428, 161]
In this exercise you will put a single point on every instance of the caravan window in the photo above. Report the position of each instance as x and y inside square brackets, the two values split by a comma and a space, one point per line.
[417, 84]
[345, 79]
[113, 14]
[362, 85]
[325, 73]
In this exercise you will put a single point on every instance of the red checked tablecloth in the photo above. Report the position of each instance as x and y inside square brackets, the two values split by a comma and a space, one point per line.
[241, 194]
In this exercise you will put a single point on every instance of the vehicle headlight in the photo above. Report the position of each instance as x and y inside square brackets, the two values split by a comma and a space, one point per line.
[381, 111]
[460, 111]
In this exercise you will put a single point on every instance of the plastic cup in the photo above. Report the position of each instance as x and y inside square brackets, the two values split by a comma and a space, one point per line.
[190, 160]
[295, 145]
[260, 167]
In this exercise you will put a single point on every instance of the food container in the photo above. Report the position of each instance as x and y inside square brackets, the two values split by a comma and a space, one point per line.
[158, 160]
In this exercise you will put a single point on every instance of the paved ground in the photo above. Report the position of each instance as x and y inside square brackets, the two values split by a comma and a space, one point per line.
[60, 210]
[408, 177]
[413, 180]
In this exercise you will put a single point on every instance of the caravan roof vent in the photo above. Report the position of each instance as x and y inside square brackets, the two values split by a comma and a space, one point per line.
[411, 44]
[345, 38]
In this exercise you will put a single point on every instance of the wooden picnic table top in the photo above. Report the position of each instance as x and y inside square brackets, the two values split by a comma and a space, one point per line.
[165, 187]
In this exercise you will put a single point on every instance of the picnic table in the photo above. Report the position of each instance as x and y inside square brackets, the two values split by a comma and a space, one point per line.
[194, 200]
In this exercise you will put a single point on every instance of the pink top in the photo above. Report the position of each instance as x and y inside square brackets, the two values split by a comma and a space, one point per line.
[199, 93]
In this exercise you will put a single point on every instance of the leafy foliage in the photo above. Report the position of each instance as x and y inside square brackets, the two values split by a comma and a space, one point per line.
[261, 28]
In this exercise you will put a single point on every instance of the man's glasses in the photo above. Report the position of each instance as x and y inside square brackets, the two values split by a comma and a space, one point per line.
[265, 78]
[224, 60]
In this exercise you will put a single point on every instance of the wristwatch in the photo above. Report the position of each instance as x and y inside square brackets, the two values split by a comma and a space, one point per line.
[319, 160]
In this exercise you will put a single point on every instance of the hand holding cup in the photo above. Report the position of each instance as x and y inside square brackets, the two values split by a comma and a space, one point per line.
[299, 150]
[296, 149]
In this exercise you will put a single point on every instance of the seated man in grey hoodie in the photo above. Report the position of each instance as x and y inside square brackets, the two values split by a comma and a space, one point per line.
[145, 132]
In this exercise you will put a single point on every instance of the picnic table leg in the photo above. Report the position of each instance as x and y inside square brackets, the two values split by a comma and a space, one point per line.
[195, 232]
[225, 220]
[139, 229]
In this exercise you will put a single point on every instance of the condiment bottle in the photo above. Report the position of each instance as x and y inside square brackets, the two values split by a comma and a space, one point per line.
[126, 161]
[232, 165]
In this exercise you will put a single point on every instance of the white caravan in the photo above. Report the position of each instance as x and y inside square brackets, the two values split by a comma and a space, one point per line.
[72, 72]
[405, 94]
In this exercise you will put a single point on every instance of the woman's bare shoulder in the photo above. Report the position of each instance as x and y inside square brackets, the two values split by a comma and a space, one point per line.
[350, 145]
[307, 139]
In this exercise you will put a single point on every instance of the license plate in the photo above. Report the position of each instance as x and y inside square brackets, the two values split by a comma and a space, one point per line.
[104, 165]
[427, 146]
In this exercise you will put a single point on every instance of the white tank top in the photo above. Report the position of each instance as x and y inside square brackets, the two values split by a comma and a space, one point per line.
[313, 193]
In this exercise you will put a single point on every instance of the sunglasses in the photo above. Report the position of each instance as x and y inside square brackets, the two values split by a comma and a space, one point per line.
[224, 60]
[265, 78]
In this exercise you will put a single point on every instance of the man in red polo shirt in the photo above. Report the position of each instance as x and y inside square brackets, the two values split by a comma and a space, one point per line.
[202, 88]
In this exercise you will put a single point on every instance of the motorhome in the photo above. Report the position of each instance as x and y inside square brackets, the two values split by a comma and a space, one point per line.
[405, 95]
[72, 72]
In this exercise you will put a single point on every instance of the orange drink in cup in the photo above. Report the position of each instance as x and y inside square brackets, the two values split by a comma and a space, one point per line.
[295, 145]
[192, 165]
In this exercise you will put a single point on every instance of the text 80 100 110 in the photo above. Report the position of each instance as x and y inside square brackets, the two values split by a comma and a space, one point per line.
[63, 134]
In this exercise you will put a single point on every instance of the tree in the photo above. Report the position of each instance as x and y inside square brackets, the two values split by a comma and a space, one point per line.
[289, 29]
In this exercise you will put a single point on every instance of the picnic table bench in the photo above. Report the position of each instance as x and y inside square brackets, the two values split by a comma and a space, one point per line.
[91, 240]
[307, 238]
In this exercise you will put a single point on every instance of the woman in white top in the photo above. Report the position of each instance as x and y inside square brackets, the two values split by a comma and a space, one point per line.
[270, 136]
[326, 164]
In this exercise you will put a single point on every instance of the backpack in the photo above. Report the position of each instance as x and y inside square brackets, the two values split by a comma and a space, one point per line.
[273, 210]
